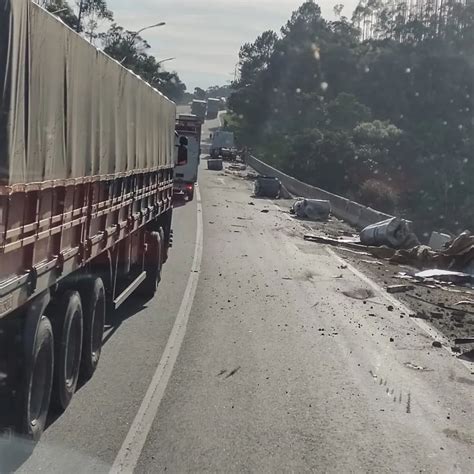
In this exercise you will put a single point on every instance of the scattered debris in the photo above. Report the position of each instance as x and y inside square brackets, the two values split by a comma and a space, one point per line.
[458, 255]
[233, 372]
[464, 302]
[437, 344]
[267, 186]
[413, 366]
[313, 209]
[456, 349]
[464, 340]
[438, 240]
[393, 232]
[390, 307]
[399, 288]
[237, 167]
[444, 275]
[373, 262]
[265, 211]
[251, 203]
[359, 294]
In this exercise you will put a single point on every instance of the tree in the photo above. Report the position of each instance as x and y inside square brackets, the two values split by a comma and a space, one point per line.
[62, 10]
[199, 94]
[89, 13]
[130, 50]
[393, 111]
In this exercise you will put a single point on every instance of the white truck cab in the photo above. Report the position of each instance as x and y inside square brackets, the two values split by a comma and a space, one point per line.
[186, 175]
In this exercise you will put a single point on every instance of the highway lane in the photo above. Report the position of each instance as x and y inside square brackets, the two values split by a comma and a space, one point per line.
[282, 367]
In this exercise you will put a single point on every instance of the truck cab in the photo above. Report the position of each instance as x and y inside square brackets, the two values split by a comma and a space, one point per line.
[186, 175]
[221, 140]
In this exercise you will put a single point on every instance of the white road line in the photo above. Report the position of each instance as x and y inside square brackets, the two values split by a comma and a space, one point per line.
[129, 454]
[423, 325]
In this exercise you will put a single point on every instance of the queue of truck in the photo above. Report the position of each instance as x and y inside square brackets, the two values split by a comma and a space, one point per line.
[87, 174]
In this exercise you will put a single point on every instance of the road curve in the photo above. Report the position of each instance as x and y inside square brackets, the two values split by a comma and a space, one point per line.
[282, 368]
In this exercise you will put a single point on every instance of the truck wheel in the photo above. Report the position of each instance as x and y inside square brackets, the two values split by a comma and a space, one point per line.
[68, 330]
[153, 263]
[93, 308]
[190, 195]
[35, 394]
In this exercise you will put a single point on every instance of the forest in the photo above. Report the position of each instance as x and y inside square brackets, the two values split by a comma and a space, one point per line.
[95, 21]
[377, 108]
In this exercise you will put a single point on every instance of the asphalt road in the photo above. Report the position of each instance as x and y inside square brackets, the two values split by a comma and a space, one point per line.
[282, 367]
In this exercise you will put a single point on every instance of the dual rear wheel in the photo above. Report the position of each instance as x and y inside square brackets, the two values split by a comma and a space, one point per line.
[61, 347]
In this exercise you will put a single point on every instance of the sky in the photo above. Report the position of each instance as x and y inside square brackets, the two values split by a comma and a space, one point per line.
[205, 35]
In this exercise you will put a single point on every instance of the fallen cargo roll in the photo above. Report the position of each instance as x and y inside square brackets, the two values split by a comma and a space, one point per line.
[314, 209]
[267, 186]
[215, 164]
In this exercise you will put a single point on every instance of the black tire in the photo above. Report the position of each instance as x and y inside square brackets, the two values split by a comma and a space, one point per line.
[94, 310]
[68, 331]
[153, 264]
[37, 383]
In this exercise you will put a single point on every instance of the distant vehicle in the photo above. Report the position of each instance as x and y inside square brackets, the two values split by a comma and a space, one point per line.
[185, 176]
[199, 108]
[213, 106]
[221, 139]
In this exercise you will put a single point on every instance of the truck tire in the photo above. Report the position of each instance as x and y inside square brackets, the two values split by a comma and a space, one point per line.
[153, 264]
[94, 310]
[68, 331]
[37, 383]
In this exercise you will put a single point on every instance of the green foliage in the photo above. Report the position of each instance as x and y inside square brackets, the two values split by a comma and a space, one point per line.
[378, 195]
[127, 47]
[378, 105]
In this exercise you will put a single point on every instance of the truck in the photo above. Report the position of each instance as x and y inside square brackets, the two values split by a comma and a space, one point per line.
[185, 176]
[213, 106]
[223, 145]
[87, 154]
[199, 108]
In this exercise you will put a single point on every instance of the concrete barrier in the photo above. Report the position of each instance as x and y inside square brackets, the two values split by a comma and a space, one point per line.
[352, 212]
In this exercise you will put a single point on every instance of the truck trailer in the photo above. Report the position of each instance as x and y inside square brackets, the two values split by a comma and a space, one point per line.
[87, 152]
[213, 106]
[186, 175]
[199, 108]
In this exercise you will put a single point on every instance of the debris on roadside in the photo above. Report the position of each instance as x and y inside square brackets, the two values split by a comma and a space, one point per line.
[265, 211]
[215, 164]
[458, 255]
[267, 186]
[394, 232]
[438, 240]
[399, 288]
[464, 340]
[464, 302]
[237, 167]
[359, 294]
[313, 209]
[443, 276]
[437, 344]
